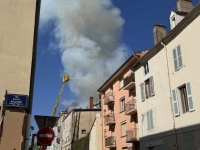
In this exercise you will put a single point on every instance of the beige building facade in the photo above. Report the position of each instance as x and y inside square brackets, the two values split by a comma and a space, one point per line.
[167, 85]
[16, 45]
[76, 124]
[95, 135]
[119, 108]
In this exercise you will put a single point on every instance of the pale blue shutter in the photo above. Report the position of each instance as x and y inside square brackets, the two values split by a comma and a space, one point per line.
[175, 103]
[180, 63]
[151, 86]
[142, 91]
[148, 120]
[151, 119]
[175, 60]
[189, 96]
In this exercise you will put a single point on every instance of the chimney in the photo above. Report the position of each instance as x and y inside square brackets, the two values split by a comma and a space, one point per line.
[91, 103]
[184, 5]
[159, 32]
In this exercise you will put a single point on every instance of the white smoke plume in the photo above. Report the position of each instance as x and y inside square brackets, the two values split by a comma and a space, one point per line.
[88, 35]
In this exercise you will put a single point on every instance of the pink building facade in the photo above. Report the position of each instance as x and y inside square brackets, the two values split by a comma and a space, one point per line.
[119, 108]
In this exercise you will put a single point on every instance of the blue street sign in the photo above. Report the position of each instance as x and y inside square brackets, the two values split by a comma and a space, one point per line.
[15, 100]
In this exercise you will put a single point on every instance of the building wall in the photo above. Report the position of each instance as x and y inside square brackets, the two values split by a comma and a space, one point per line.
[16, 42]
[178, 18]
[160, 103]
[189, 43]
[86, 120]
[187, 125]
[119, 115]
[54, 144]
[95, 139]
[66, 131]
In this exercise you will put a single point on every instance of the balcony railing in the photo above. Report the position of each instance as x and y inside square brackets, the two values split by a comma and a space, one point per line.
[130, 108]
[129, 82]
[109, 97]
[110, 141]
[109, 119]
[131, 135]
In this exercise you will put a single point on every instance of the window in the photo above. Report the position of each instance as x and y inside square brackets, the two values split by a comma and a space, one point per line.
[173, 21]
[184, 100]
[147, 88]
[112, 129]
[184, 97]
[189, 142]
[123, 128]
[111, 90]
[105, 133]
[83, 131]
[177, 58]
[121, 80]
[146, 68]
[150, 126]
[122, 104]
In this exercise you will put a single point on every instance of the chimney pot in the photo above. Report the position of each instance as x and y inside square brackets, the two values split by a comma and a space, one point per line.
[184, 5]
[159, 32]
[91, 103]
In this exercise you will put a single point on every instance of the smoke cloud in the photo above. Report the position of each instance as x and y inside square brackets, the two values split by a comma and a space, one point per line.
[88, 34]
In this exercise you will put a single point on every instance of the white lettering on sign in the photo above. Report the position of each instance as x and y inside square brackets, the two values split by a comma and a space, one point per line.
[46, 135]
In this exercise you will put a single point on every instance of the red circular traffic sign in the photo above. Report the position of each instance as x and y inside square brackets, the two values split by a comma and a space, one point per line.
[45, 136]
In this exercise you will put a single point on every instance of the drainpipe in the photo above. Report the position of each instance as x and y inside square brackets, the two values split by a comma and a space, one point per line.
[32, 77]
[176, 144]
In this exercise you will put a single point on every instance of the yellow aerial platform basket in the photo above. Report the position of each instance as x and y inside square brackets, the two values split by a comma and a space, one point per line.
[65, 78]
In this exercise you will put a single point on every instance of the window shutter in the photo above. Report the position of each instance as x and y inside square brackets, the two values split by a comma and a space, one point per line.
[189, 96]
[148, 121]
[142, 91]
[151, 120]
[175, 103]
[151, 86]
[175, 60]
[180, 63]
[144, 70]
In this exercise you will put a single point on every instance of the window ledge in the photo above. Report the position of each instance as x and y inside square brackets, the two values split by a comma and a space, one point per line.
[121, 88]
[122, 111]
[123, 136]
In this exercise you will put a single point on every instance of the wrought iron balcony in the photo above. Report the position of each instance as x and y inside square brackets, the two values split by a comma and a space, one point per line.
[130, 108]
[109, 97]
[129, 82]
[110, 141]
[109, 119]
[131, 136]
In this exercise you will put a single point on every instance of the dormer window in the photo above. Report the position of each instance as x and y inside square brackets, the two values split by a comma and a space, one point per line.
[173, 22]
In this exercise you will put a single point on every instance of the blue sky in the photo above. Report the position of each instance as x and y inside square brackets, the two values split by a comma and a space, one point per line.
[139, 16]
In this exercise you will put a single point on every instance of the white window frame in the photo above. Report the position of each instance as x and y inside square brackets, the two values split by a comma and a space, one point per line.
[177, 101]
[147, 90]
[123, 123]
[122, 104]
